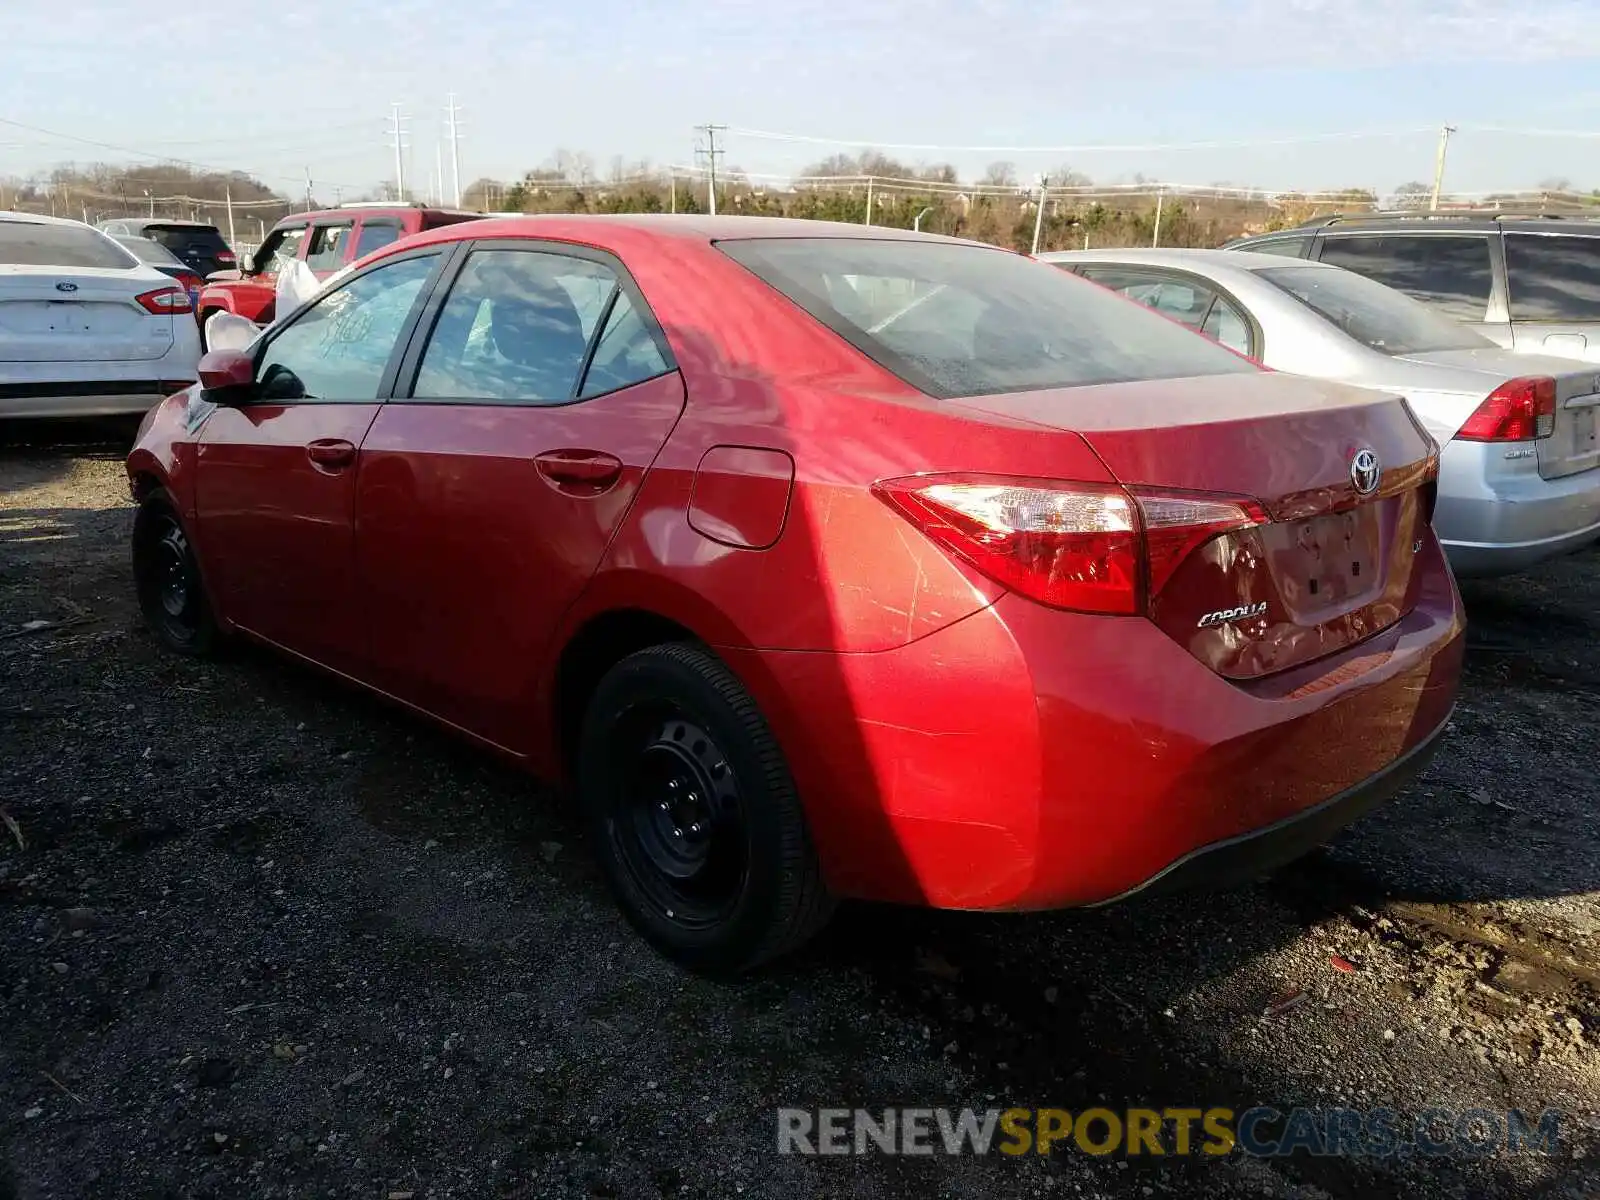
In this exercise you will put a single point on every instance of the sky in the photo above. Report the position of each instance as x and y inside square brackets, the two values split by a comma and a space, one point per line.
[1263, 93]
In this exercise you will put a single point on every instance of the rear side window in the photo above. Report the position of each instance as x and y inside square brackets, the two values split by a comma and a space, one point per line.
[1451, 274]
[375, 235]
[967, 320]
[515, 328]
[26, 244]
[327, 243]
[147, 251]
[1181, 299]
[1553, 278]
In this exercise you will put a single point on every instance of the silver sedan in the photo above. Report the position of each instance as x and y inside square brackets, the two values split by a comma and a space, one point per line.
[1519, 468]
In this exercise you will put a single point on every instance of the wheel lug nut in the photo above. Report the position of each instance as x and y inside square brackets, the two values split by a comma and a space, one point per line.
[695, 828]
[665, 806]
[676, 832]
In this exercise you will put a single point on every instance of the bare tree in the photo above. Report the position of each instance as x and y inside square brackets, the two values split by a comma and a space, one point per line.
[1000, 174]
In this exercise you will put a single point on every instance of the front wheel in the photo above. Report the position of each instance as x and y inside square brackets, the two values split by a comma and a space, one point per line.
[694, 816]
[166, 576]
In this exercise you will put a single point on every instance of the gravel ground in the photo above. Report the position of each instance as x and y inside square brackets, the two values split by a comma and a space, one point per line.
[269, 938]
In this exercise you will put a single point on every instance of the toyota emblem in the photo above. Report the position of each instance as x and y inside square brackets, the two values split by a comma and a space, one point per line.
[65, 286]
[1365, 471]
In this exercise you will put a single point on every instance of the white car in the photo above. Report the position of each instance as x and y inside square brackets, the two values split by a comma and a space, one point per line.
[86, 329]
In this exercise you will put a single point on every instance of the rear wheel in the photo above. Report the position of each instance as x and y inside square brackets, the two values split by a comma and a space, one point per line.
[167, 577]
[694, 817]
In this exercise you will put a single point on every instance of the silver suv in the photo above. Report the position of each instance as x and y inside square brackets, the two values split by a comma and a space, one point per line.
[1529, 283]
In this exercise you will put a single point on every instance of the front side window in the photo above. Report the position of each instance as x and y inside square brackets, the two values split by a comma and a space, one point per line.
[1553, 278]
[327, 245]
[515, 328]
[1378, 317]
[1184, 300]
[1449, 273]
[280, 250]
[969, 320]
[337, 350]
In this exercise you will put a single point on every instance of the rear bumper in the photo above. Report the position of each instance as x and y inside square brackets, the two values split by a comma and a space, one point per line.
[1024, 758]
[1496, 520]
[1239, 860]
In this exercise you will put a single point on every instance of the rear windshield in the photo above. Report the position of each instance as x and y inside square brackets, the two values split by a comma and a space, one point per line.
[147, 251]
[26, 244]
[179, 237]
[1374, 315]
[954, 320]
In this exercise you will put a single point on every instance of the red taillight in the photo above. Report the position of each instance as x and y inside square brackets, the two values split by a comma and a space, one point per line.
[1519, 410]
[166, 300]
[226, 256]
[191, 281]
[1088, 547]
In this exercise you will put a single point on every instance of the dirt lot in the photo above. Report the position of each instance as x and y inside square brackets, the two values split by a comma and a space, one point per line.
[269, 938]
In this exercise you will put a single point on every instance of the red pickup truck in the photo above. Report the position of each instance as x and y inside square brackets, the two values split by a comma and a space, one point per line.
[327, 241]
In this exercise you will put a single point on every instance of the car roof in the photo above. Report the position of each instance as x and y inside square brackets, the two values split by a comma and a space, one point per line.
[1482, 221]
[150, 222]
[40, 219]
[1180, 258]
[693, 226]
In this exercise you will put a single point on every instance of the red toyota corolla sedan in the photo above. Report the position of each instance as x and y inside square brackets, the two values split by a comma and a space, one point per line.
[822, 561]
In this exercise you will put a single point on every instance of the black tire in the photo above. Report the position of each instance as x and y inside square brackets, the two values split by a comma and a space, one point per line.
[166, 576]
[694, 816]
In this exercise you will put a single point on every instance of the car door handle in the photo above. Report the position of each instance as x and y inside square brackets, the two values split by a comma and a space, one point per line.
[583, 468]
[331, 454]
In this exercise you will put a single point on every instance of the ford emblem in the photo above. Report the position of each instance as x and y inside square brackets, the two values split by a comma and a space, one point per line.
[1365, 471]
[64, 286]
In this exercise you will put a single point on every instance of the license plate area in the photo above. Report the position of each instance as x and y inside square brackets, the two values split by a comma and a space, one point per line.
[1329, 561]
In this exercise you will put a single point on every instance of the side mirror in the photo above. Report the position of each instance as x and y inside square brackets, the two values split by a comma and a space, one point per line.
[227, 370]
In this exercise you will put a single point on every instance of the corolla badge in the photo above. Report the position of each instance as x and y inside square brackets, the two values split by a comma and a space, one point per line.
[1227, 616]
[1365, 470]
[66, 286]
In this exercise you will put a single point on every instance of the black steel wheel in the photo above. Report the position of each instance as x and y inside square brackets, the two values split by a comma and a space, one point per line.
[693, 813]
[167, 576]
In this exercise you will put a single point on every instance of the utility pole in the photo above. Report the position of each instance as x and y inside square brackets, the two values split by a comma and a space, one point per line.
[1161, 197]
[1038, 217]
[1438, 167]
[455, 151]
[711, 151]
[916, 225]
[147, 196]
[867, 220]
[397, 135]
[227, 197]
[309, 203]
[672, 192]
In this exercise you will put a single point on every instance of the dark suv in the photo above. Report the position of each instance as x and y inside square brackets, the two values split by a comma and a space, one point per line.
[1529, 282]
[198, 245]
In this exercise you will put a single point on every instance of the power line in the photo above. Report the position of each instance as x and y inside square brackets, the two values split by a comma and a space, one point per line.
[160, 158]
[1103, 148]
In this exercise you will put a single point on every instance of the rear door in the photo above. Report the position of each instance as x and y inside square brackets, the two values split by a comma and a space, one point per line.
[1553, 281]
[276, 475]
[534, 398]
[1452, 273]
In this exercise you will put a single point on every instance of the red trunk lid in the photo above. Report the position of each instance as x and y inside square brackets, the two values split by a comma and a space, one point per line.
[1333, 564]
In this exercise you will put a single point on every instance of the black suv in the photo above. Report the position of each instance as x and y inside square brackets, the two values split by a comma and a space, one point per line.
[197, 244]
[1530, 282]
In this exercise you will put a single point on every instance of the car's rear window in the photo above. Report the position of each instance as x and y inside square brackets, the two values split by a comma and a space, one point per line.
[967, 320]
[180, 237]
[1375, 315]
[147, 251]
[26, 244]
